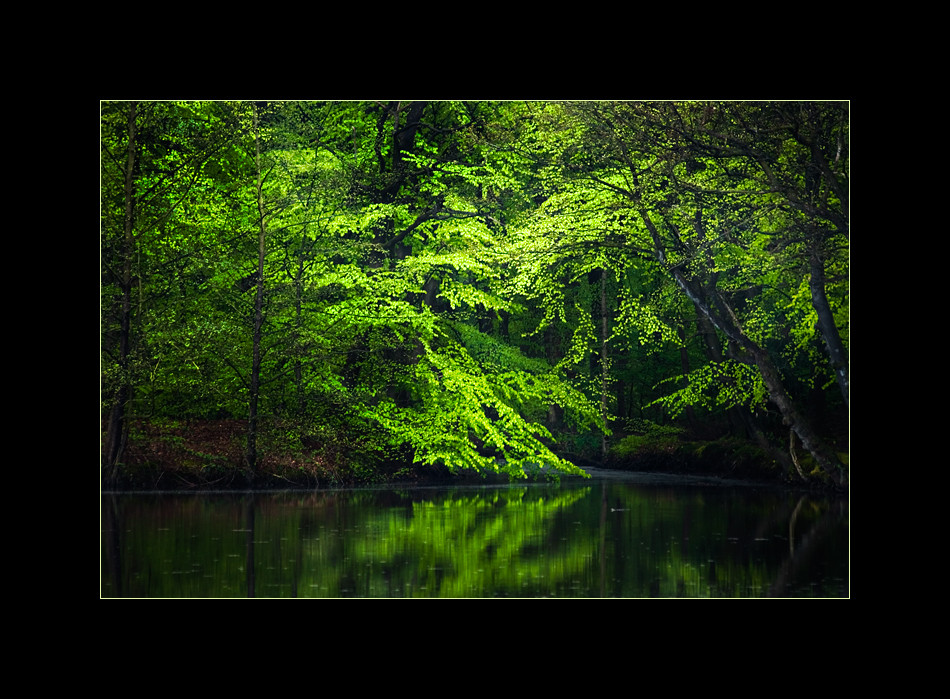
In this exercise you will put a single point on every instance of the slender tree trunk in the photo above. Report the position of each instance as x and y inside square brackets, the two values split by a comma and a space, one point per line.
[252, 422]
[684, 364]
[604, 362]
[620, 391]
[298, 333]
[553, 348]
[117, 426]
[826, 325]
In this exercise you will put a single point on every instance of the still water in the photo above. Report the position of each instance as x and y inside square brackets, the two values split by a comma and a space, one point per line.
[630, 536]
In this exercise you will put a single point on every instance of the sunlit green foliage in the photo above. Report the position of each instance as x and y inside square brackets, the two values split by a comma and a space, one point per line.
[715, 387]
[462, 284]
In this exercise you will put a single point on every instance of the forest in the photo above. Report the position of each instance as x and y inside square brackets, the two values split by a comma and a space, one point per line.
[323, 292]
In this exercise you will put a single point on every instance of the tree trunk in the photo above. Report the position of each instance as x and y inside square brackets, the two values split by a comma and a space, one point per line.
[298, 331]
[252, 422]
[742, 423]
[716, 309]
[552, 343]
[117, 426]
[684, 364]
[826, 325]
[824, 456]
[604, 363]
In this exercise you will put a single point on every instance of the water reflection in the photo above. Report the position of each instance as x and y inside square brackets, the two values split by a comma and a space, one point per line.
[577, 539]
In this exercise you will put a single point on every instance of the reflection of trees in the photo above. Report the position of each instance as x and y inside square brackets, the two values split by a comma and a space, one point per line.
[112, 554]
[463, 544]
[708, 542]
[611, 540]
[800, 553]
[249, 566]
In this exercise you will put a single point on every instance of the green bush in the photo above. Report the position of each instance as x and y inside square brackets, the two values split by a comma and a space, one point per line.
[644, 436]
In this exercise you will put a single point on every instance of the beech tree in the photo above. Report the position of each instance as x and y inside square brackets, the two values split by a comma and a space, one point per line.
[453, 394]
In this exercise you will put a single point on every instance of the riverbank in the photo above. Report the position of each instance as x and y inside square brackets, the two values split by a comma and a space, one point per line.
[203, 455]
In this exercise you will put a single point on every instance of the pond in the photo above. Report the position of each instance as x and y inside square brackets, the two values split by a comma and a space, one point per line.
[613, 536]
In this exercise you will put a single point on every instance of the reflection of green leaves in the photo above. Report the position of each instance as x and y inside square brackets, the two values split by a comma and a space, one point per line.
[512, 541]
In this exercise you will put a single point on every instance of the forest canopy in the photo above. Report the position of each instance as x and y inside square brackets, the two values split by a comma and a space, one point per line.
[489, 287]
